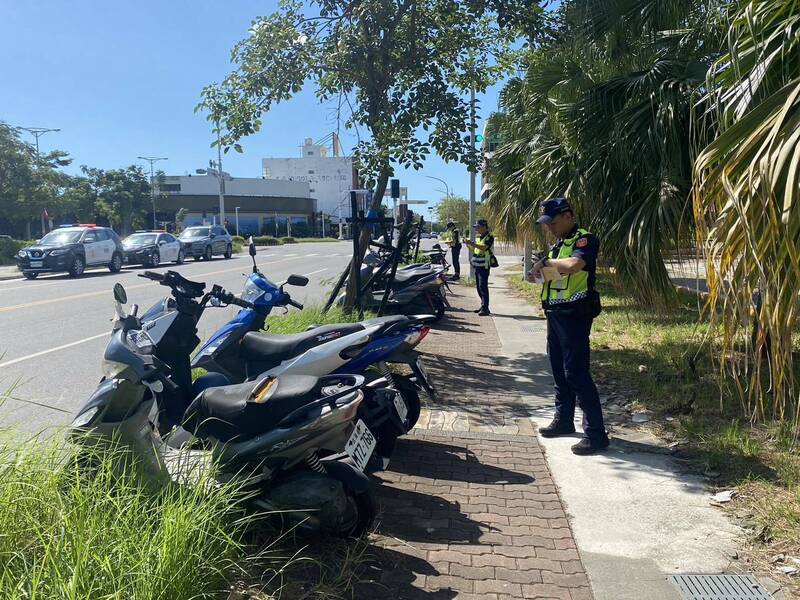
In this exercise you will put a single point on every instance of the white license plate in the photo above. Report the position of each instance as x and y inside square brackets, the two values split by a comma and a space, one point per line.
[360, 445]
[401, 407]
[36, 264]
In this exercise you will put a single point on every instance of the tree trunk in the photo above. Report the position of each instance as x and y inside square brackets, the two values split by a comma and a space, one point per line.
[355, 264]
[27, 230]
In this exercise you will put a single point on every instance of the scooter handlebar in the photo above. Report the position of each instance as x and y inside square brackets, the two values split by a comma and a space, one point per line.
[297, 305]
[152, 275]
[229, 298]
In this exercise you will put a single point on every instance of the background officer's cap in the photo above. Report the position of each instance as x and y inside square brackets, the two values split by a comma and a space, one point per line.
[551, 209]
[481, 223]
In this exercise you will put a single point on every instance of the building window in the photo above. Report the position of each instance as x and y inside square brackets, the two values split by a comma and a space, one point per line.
[267, 173]
[311, 171]
[310, 153]
[311, 189]
[170, 187]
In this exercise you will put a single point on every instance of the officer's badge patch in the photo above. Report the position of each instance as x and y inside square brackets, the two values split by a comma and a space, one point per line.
[582, 243]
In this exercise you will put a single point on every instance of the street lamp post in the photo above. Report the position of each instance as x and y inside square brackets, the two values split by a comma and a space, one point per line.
[151, 160]
[237, 220]
[221, 177]
[446, 187]
[37, 132]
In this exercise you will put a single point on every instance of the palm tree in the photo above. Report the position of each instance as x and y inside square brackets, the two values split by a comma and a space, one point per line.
[603, 115]
[746, 198]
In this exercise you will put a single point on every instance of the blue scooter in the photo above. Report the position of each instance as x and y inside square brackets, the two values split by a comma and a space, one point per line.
[240, 352]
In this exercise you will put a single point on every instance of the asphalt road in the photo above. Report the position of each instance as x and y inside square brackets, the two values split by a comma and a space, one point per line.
[53, 330]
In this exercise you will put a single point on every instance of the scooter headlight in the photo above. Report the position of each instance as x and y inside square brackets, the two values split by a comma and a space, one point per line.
[112, 368]
[83, 419]
[141, 341]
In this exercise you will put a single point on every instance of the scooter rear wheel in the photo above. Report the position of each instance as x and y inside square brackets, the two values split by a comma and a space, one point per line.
[360, 517]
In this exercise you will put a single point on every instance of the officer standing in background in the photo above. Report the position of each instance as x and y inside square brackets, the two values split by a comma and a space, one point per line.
[482, 261]
[453, 238]
[571, 303]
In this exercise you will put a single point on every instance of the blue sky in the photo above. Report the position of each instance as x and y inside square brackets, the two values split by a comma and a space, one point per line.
[121, 80]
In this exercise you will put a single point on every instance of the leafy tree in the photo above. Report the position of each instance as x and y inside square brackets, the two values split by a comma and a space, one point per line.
[123, 195]
[456, 208]
[399, 69]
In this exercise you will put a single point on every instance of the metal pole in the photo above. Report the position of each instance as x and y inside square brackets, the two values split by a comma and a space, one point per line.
[36, 132]
[472, 175]
[221, 180]
[446, 187]
[237, 220]
[151, 160]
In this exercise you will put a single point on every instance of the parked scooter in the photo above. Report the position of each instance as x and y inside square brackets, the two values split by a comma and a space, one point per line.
[239, 351]
[281, 438]
[415, 289]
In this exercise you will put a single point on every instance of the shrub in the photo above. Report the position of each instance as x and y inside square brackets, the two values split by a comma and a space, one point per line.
[288, 240]
[238, 239]
[296, 321]
[9, 249]
[266, 240]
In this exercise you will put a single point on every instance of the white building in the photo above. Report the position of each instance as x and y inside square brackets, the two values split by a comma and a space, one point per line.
[264, 205]
[330, 178]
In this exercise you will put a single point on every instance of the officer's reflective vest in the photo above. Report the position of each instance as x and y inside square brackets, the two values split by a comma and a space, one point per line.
[480, 258]
[572, 286]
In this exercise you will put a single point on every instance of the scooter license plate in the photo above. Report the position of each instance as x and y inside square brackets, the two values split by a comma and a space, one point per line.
[400, 406]
[360, 445]
[36, 264]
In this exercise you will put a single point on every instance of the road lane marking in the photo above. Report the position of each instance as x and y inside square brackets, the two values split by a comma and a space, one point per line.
[310, 255]
[101, 292]
[315, 272]
[8, 363]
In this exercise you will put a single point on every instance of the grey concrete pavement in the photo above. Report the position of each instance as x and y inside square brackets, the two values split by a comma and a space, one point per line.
[53, 330]
[636, 517]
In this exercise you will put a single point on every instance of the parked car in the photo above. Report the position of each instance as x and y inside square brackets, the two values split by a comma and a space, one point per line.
[70, 249]
[151, 248]
[205, 241]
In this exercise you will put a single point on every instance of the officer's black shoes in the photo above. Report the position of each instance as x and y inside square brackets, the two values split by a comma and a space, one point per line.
[587, 446]
[484, 313]
[557, 428]
[477, 310]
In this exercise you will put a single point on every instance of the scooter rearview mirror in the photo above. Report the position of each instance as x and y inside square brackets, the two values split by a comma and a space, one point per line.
[298, 280]
[119, 294]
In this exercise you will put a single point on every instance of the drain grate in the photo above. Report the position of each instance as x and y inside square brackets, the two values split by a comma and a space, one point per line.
[719, 587]
[533, 328]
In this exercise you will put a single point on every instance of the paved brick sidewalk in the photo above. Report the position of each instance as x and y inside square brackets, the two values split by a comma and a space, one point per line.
[468, 508]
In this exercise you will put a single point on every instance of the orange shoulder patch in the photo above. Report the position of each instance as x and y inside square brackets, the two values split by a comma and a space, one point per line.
[582, 243]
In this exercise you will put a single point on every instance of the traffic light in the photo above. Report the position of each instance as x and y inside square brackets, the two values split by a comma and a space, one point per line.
[395, 188]
[478, 138]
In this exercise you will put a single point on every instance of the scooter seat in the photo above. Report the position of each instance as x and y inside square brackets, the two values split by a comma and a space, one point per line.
[408, 276]
[229, 413]
[274, 349]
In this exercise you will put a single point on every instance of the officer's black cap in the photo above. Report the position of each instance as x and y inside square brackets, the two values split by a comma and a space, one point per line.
[551, 209]
[450, 224]
[481, 223]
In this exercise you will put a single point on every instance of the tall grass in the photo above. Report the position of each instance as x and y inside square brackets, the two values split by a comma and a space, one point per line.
[108, 532]
[296, 321]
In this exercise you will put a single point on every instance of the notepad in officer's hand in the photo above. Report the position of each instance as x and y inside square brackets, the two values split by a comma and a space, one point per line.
[550, 274]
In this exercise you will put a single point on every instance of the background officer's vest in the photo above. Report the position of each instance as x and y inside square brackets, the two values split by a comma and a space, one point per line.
[480, 258]
[572, 286]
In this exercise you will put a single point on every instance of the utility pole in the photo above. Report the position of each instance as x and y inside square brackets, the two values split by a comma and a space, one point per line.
[237, 220]
[472, 175]
[221, 181]
[37, 132]
[151, 160]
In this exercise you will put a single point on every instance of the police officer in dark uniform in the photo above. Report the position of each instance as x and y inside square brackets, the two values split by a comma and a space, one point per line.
[481, 260]
[571, 303]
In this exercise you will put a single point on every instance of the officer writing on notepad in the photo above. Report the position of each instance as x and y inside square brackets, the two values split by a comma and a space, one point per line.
[571, 303]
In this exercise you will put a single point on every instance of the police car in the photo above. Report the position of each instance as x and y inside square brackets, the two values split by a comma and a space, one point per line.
[71, 249]
[151, 248]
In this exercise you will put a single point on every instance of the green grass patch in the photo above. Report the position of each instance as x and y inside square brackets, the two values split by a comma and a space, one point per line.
[68, 531]
[680, 379]
[315, 240]
[296, 321]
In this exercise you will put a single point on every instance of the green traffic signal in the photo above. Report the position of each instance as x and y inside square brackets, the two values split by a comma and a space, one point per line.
[479, 138]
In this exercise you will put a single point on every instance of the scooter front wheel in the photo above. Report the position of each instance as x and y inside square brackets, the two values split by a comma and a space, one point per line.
[359, 516]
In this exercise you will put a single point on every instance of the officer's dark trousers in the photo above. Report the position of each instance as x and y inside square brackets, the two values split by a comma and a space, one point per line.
[568, 349]
[482, 283]
[456, 262]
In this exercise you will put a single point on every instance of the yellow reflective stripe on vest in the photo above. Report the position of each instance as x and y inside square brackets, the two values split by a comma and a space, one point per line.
[572, 286]
[480, 258]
